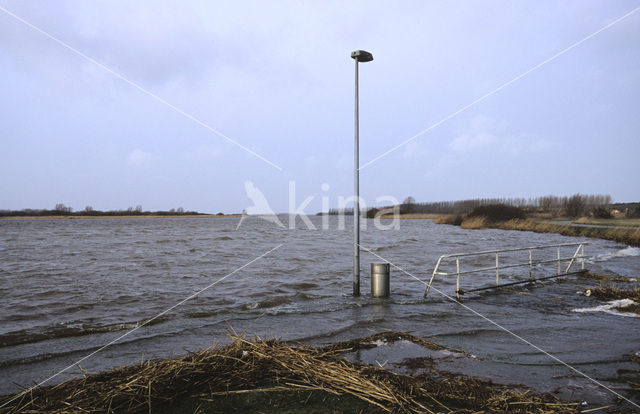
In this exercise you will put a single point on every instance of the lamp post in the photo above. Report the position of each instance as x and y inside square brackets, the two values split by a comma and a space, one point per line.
[358, 56]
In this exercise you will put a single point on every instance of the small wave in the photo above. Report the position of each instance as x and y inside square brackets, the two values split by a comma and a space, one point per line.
[223, 238]
[612, 307]
[469, 332]
[381, 248]
[66, 330]
[202, 314]
[82, 350]
[321, 338]
[271, 302]
[299, 286]
[292, 303]
[626, 252]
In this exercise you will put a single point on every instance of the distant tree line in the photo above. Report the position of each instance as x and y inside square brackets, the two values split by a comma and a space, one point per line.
[62, 210]
[340, 211]
[572, 206]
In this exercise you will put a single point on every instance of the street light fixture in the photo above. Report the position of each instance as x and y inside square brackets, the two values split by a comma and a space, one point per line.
[358, 56]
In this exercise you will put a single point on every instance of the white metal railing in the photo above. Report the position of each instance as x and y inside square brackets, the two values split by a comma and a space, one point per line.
[578, 255]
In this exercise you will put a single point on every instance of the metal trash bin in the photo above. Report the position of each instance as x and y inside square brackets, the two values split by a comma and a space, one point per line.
[380, 279]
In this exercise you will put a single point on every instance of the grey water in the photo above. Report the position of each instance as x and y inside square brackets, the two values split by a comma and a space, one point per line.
[69, 287]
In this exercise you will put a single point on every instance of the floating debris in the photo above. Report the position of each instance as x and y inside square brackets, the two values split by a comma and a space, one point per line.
[614, 293]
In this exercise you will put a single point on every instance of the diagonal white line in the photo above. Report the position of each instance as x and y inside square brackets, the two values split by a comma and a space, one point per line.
[140, 326]
[140, 88]
[499, 88]
[503, 328]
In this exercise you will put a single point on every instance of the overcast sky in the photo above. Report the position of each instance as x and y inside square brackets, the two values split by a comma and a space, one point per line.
[277, 78]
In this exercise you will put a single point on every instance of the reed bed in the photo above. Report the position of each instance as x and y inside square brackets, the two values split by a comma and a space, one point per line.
[603, 277]
[630, 236]
[627, 235]
[255, 366]
[614, 293]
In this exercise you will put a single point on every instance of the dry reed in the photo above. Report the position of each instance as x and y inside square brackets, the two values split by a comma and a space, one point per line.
[474, 223]
[626, 235]
[614, 293]
[245, 367]
[602, 276]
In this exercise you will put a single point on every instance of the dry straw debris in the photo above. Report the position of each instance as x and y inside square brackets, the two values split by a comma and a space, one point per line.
[250, 366]
[615, 293]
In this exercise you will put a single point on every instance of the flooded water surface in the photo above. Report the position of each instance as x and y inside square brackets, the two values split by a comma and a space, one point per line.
[71, 286]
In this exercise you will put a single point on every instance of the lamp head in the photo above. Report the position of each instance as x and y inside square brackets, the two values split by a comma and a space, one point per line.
[362, 56]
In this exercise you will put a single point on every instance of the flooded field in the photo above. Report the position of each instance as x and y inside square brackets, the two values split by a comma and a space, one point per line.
[71, 286]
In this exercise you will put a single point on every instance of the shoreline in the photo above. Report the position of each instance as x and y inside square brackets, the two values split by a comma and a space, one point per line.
[629, 235]
[133, 216]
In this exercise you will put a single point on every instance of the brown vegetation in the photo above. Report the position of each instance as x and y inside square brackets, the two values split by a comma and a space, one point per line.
[246, 368]
[630, 236]
[626, 235]
[614, 293]
[453, 219]
[602, 276]
[474, 223]
[498, 212]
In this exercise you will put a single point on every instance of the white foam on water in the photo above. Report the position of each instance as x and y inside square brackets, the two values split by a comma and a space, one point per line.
[611, 308]
[626, 252]
[447, 353]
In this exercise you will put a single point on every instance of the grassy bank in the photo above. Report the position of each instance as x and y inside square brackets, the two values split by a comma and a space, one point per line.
[275, 377]
[623, 231]
[612, 222]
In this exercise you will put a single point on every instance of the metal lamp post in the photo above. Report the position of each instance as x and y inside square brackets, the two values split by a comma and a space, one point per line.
[358, 56]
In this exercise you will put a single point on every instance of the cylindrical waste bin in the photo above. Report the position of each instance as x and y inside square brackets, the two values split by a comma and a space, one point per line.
[380, 279]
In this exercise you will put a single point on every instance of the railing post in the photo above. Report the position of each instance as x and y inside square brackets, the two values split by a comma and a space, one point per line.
[558, 260]
[458, 278]
[576, 255]
[497, 271]
[530, 265]
[433, 275]
[582, 263]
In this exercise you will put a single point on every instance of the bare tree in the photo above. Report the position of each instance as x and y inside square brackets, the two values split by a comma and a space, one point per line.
[546, 203]
[62, 208]
[408, 205]
[575, 205]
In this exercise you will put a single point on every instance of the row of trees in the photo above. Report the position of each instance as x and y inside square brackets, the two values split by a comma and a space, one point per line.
[339, 211]
[63, 210]
[573, 206]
